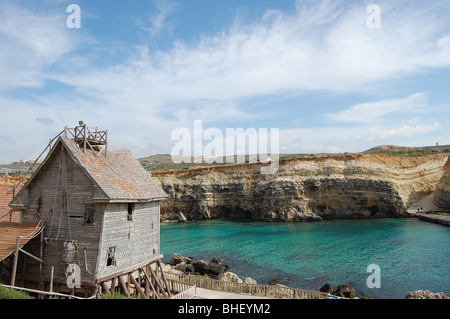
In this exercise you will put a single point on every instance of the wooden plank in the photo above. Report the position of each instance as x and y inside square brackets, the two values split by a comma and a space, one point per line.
[8, 236]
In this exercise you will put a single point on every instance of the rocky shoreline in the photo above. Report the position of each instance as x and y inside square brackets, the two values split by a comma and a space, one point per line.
[215, 269]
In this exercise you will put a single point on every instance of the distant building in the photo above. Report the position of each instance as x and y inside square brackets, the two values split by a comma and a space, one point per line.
[91, 209]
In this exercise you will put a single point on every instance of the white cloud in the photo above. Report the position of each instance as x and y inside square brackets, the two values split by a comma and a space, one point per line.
[373, 112]
[30, 42]
[358, 138]
[322, 46]
[404, 131]
[158, 21]
[319, 47]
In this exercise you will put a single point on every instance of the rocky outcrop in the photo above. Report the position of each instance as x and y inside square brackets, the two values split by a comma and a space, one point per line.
[442, 195]
[213, 268]
[344, 291]
[425, 294]
[344, 186]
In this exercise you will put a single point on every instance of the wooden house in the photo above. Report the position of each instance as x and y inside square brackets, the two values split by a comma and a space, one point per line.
[96, 217]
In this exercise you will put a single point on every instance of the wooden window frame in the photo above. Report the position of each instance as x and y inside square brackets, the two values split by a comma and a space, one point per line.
[89, 218]
[111, 260]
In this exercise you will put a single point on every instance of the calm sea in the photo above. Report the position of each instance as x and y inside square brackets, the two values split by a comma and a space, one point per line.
[411, 254]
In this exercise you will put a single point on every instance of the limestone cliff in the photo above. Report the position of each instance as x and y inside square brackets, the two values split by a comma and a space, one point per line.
[310, 188]
[442, 195]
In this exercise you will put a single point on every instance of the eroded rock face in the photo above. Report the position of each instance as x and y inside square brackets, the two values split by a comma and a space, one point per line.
[308, 189]
[442, 195]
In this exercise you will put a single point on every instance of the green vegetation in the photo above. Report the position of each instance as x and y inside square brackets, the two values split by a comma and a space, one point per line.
[163, 162]
[8, 293]
[117, 295]
[187, 176]
[409, 151]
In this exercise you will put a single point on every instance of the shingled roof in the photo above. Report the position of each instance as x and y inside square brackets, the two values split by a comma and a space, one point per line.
[118, 176]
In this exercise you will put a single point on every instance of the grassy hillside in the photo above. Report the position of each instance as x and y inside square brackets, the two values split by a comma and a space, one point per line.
[408, 151]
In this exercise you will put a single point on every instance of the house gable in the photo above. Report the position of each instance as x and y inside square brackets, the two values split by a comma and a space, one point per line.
[83, 198]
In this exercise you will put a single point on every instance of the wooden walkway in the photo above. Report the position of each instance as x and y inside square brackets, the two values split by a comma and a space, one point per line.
[202, 293]
[209, 288]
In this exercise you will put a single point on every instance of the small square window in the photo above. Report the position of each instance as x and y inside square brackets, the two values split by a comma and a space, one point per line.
[89, 214]
[130, 211]
[111, 257]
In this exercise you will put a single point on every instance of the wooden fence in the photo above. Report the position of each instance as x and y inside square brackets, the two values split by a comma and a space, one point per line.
[184, 289]
[45, 293]
[243, 288]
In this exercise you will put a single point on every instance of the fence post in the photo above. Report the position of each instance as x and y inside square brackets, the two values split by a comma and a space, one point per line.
[51, 279]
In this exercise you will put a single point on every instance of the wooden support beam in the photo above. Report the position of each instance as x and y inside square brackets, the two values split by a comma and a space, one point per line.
[129, 269]
[31, 255]
[105, 287]
[138, 288]
[158, 283]
[155, 295]
[123, 286]
[41, 254]
[164, 278]
[146, 283]
[16, 258]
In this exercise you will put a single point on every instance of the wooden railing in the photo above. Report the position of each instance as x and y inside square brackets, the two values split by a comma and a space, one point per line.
[243, 288]
[184, 289]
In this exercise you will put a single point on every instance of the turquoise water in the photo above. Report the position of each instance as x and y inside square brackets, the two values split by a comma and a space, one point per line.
[411, 254]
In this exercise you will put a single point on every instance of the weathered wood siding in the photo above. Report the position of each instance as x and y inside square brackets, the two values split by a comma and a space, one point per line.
[66, 221]
[58, 194]
[136, 241]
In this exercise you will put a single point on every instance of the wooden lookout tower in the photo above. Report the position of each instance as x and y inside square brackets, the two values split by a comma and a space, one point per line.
[90, 221]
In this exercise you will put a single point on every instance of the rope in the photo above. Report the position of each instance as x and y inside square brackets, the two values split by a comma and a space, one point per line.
[32, 234]
[66, 196]
[85, 261]
[31, 168]
[54, 201]
[64, 201]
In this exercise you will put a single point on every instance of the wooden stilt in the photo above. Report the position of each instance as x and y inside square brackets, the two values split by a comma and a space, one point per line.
[16, 258]
[41, 254]
[51, 278]
[113, 286]
[138, 288]
[123, 286]
[156, 296]
[158, 283]
[164, 278]
[105, 287]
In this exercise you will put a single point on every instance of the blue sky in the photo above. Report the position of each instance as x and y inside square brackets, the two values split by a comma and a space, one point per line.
[142, 68]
